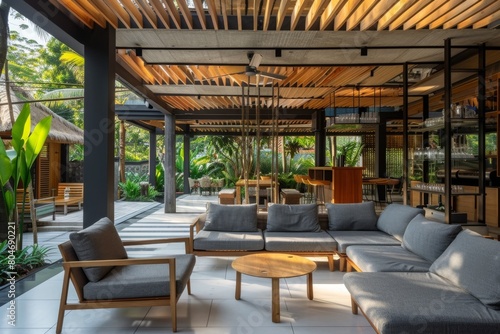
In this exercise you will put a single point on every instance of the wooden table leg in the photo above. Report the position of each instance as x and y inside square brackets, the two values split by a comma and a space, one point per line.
[238, 195]
[237, 293]
[276, 299]
[310, 286]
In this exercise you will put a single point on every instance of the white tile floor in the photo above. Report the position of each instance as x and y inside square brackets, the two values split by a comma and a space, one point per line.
[211, 309]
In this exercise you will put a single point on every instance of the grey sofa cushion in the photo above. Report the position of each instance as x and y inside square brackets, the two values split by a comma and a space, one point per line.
[231, 218]
[428, 239]
[299, 242]
[99, 241]
[395, 218]
[293, 218]
[472, 263]
[228, 241]
[352, 217]
[148, 280]
[419, 303]
[386, 259]
[348, 238]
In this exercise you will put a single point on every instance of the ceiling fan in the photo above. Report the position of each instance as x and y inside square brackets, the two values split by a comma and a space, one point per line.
[251, 68]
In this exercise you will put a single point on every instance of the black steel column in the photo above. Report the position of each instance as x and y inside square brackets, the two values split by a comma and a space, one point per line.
[405, 135]
[447, 131]
[320, 138]
[187, 157]
[169, 164]
[152, 157]
[99, 125]
[481, 100]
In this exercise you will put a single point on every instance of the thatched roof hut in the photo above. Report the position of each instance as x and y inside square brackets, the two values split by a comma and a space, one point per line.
[61, 131]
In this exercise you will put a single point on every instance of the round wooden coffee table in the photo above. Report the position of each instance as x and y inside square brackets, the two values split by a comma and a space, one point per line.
[274, 266]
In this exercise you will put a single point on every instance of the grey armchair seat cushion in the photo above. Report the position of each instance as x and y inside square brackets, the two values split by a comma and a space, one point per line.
[386, 259]
[299, 241]
[348, 238]
[472, 263]
[429, 239]
[141, 281]
[419, 303]
[352, 217]
[99, 241]
[231, 218]
[228, 241]
[395, 218]
[293, 218]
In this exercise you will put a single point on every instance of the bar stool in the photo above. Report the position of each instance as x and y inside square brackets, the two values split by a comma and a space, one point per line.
[319, 190]
[308, 194]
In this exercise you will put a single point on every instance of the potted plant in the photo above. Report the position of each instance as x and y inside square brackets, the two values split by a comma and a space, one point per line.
[27, 145]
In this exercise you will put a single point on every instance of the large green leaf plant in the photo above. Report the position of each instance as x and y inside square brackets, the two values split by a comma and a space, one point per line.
[27, 145]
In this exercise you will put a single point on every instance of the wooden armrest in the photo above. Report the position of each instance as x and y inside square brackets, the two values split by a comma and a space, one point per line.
[44, 200]
[118, 262]
[186, 240]
[154, 241]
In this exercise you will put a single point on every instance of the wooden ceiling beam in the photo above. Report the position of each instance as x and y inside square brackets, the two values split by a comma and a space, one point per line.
[391, 14]
[360, 13]
[330, 12]
[344, 14]
[280, 16]
[469, 12]
[297, 11]
[79, 12]
[134, 12]
[173, 12]
[408, 13]
[200, 11]
[94, 12]
[373, 17]
[186, 13]
[446, 9]
[106, 12]
[315, 11]
[148, 13]
[213, 13]
[454, 12]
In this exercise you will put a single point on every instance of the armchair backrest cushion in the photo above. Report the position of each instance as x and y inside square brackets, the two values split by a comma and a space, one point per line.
[429, 239]
[472, 263]
[231, 218]
[293, 218]
[395, 218]
[99, 241]
[352, 217]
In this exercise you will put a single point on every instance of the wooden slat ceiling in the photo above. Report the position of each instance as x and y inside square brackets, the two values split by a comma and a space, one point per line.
[192, 54]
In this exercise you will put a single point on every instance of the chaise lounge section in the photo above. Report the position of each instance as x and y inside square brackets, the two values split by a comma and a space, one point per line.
[459, 294]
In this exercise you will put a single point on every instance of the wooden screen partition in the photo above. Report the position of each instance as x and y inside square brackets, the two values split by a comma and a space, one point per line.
[346, 183]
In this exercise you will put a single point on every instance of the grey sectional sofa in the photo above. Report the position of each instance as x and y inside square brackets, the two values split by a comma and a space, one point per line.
[459, 294]
[423, 242]
[358, 224]
[234, 230]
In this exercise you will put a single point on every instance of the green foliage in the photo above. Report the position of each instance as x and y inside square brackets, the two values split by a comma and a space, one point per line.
[26, 259]
[131, 188]
[352, 151]
[27, 145]
[160, 177]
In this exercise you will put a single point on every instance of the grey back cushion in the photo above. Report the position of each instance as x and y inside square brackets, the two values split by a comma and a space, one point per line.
[429, 239]
[352, 217]
[293, 218]
[99, 241]
[472, 263]
[231, 218]
[395, 218]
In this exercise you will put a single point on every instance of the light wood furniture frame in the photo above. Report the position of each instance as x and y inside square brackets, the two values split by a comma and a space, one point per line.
[75, 196]
[73, 269]
[198, 224]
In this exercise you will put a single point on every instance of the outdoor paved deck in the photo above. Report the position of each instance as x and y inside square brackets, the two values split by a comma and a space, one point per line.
[211, 309]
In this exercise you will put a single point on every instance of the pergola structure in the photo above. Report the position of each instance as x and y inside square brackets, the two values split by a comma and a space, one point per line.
[189, 59]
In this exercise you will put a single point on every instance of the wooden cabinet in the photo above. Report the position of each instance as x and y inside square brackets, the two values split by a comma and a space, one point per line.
[346, 183]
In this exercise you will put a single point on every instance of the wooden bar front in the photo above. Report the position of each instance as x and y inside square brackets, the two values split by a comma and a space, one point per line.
[346, 183]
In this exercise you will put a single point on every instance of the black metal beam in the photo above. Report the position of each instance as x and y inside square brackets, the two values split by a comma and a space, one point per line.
[53, 20]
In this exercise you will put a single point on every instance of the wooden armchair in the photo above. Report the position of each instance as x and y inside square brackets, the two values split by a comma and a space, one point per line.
[104, 277]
